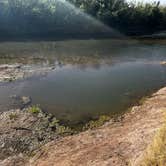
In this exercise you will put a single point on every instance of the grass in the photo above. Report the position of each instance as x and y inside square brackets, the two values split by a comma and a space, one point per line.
[155, 154]
[60, 129]
[34, 110]
[53, 123]
[96, 123]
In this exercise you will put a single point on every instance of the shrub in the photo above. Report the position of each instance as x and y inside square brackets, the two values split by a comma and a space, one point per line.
[34, 110]
[96, 123]
[13, 116]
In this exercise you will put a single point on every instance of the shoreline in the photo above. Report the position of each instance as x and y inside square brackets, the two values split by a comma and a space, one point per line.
[84, 37]
[11, 73]
[115, 143]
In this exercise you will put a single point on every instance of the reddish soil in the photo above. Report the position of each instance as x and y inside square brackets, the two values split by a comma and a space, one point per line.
[114, 144]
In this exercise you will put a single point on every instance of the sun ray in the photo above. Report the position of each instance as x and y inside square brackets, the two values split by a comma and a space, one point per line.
[94, 22]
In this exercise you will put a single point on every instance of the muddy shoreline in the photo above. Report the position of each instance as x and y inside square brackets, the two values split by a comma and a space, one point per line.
[9, 73]
[116, 144]
[28, 135]
[24, 132]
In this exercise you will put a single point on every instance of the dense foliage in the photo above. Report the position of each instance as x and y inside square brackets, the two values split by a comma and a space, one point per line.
[130, 18]
[56, 18]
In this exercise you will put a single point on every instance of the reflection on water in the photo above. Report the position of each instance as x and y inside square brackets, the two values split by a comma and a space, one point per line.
[90, 78]
[80, 52]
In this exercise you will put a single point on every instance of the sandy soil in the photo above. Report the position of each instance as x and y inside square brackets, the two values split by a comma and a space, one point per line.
[114, 144]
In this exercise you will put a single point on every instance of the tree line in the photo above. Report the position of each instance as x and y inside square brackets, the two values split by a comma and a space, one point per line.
[56, 18]
[130, 18]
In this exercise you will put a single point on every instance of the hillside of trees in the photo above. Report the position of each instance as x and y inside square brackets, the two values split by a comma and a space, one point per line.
[59, 19]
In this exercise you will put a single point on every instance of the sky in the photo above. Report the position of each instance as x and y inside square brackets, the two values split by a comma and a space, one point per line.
[162, 1]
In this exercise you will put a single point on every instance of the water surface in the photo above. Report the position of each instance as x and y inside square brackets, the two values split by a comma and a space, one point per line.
[90, 78]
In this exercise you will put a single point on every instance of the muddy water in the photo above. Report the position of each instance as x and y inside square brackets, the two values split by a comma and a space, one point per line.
[89, 78]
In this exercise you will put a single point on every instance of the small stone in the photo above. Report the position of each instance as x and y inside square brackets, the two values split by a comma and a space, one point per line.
[163, 63]
[26, 100]
[11, 149]
[3, 145]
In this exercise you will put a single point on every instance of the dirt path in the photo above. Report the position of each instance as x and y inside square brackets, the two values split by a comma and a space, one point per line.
[115, 144]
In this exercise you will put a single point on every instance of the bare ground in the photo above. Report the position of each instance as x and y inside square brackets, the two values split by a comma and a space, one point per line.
[114, 144]
[22, 132]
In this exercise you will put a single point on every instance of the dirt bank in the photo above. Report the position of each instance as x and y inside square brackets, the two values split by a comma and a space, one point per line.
[114, 144]
[32, 138]
[24, 131]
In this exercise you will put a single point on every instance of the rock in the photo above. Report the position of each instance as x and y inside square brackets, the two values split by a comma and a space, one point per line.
[26, 100]
[18, 66]
[21, 102]
[163, 63]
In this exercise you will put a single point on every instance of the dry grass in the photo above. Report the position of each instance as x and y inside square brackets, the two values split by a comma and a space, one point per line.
[155, 154]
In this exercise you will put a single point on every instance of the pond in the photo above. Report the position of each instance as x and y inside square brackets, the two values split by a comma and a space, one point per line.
[89, 78]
